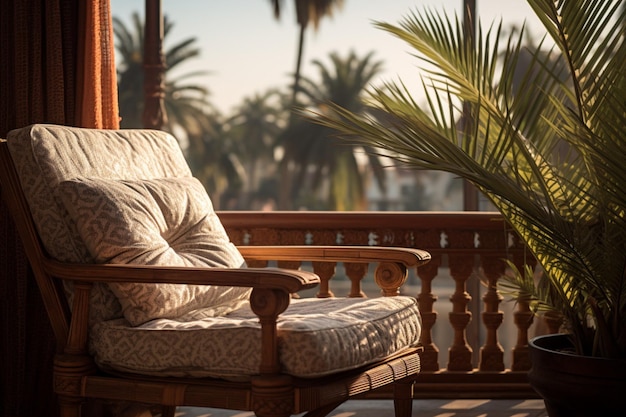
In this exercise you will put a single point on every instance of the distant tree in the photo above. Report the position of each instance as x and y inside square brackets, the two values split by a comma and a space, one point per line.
[186, 103]
[307, 11]
[214, 158]
[210, 151]
[317, 158]
[256, 126]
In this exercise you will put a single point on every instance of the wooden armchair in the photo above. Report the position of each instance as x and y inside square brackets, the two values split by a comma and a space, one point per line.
[152, 304]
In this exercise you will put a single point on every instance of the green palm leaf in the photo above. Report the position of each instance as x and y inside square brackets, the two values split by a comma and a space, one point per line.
[539, 130]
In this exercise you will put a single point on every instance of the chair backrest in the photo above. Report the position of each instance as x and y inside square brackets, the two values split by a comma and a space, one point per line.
[46, 155]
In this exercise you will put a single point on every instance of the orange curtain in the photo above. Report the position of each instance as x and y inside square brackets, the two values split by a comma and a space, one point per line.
[56, 66]
[97, 104]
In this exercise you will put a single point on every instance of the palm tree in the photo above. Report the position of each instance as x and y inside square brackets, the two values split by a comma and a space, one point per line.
[312, 150]
[129, 46]
[213, 156]
[209, 150]
[256, 126]
[307, 11]
[186, 103]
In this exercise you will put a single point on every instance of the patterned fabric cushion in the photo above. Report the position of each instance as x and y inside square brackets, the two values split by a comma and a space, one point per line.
[168, 221]
[338, 334]
[46, 155]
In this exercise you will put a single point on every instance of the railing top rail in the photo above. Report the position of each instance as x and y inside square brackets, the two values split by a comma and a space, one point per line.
[437, 232]
[459, 220]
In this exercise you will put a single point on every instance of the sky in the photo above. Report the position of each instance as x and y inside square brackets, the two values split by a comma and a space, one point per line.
[246, 51]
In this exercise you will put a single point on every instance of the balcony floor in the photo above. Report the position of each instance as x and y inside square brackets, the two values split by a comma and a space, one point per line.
[421, 408]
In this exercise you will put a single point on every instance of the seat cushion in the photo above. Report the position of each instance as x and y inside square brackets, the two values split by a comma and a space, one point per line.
[166, 221]
[317, 337]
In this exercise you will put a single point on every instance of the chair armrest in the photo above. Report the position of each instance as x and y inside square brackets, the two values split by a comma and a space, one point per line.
[269, 278]
[406, 256]
[269, 298]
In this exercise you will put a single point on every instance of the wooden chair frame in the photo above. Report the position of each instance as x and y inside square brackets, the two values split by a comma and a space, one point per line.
[269, 394]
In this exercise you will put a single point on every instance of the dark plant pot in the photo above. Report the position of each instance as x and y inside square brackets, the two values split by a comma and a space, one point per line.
[573, 385]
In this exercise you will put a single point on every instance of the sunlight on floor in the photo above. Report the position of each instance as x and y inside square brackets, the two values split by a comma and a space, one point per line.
[464, 404]
[193, 412]
[421, 408]
[529, 405]
[478, 415]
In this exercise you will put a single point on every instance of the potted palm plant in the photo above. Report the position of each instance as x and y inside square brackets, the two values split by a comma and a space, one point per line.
[541, 132]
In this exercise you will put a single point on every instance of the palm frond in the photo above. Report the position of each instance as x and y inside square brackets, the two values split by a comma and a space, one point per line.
[539, 129]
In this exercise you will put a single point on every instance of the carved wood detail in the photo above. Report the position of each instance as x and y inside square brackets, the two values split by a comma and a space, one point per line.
[460, 353]
[425, 301]
[390, 276]
[523, 318]
[272, 397]
[554, 322]
[356, 272]
[325, 270]
[268, 304]
[492, 353]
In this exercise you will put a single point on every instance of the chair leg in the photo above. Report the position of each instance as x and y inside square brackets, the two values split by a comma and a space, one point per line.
[69, 406]
[403, 398]
[272, 396]
[168, 411]
[95, 408]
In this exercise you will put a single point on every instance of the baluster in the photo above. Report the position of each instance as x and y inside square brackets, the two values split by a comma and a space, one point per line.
[460, 353]
[325, 270]
[492, 353]
[260, 263]
[425, 300]
[289, 264]
[523, 319]
[554, 321]
[356, 272]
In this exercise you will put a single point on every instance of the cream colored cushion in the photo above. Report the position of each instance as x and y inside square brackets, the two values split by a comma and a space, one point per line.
[167, 221]
[45, 155]
[316, 337]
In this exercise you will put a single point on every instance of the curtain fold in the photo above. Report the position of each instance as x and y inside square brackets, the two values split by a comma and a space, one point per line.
[97, 104]
[56, 66]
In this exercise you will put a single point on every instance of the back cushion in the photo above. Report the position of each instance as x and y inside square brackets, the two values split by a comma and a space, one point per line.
[46, 155]
[168, 221]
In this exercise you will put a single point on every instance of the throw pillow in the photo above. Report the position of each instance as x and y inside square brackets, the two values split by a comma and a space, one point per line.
[167, 222]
